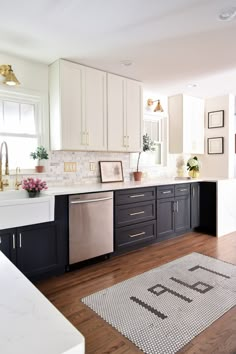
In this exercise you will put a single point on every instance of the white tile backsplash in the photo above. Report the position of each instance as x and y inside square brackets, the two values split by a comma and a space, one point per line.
[54, 167]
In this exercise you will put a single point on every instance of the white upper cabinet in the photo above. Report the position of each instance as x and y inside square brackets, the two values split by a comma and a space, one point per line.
[186, 124]
[95, 108]
[78, 117]
[125, 115]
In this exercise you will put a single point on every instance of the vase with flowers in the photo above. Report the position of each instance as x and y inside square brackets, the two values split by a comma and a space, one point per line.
[148, 145]
[34, 186]
[193, 167]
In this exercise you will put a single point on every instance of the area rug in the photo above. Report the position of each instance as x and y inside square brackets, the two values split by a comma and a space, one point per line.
[163, 309]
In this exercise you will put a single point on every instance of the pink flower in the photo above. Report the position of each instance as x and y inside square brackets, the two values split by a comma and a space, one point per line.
[31, 184]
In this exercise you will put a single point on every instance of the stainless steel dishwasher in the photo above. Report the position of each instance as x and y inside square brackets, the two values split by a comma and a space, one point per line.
[90, 226]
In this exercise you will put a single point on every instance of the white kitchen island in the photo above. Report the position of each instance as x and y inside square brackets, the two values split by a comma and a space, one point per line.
[29, 323]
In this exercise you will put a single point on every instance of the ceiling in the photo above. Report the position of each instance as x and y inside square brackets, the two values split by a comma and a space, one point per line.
[171, 43]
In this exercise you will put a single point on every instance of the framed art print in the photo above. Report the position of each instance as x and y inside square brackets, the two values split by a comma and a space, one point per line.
[215, 119]
[215, 145]
[111, 171]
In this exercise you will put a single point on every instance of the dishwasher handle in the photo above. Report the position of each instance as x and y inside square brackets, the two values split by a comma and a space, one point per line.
[90, 200]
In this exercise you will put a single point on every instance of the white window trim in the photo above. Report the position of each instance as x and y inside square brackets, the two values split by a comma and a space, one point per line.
[42, 116]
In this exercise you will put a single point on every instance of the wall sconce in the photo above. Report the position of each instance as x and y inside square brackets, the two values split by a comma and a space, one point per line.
[10, 78]
[158, 106]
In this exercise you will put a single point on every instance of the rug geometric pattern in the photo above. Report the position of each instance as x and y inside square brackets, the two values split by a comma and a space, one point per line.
[163, 309]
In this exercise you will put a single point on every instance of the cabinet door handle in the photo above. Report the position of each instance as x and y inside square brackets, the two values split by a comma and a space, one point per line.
[136, 195]
[183, 190]
[193, 192]
[166, 192]
[177, 206]
[13, 241]
[20, 240]
[124, 141]
[127, 137]
[139, 212]
[0, 240]
[139, 234]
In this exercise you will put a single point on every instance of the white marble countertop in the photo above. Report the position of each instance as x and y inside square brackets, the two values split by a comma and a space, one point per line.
[29, 323]
[101, 187]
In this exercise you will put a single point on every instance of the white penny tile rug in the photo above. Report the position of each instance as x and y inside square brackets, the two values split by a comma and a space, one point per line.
[161, 310]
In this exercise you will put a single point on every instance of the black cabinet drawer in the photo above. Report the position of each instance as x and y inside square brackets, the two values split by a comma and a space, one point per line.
[134, 195]
[165, 192]
[182, 189]
[135, 234]
[133, 213]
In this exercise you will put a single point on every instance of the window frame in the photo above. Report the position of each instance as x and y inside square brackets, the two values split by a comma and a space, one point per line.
[39, 100]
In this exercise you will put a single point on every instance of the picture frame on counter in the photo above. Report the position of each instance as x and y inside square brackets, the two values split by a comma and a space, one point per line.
[111, 171]
[216, 119]
[215, 145]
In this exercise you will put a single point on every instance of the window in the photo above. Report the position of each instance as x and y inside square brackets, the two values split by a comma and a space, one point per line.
[19, 127]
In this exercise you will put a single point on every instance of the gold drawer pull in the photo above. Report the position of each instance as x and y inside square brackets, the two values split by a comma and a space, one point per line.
[166, 192]
[139, 212]
[137, 195]
[136, 235]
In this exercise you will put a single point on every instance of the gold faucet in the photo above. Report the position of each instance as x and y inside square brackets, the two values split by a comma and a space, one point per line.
[17, 183]
[2, 182]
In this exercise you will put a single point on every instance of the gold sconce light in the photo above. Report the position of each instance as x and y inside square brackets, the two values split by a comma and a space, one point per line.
[158, 107]
[10, 78]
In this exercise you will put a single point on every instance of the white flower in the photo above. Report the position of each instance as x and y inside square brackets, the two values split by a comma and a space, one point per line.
[192, 162]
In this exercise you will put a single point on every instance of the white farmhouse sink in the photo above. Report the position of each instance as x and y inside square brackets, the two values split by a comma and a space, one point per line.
[17, 209]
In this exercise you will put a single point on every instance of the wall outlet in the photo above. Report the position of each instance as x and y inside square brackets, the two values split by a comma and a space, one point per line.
[92, 166]
[70, 167]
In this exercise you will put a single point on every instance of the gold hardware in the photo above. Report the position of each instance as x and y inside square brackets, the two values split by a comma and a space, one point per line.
[158, 106]
[3, 182]
[10, 78]
[17, 183]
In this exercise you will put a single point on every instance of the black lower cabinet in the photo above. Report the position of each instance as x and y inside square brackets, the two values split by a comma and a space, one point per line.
[133, 236]
[165, 218]
[195, 205]
[39, 250]
[208, 195]
[7, 243]
[173, 214]
[182, 214]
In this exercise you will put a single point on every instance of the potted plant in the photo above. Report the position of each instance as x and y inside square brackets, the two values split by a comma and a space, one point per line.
[193, 167]
[148, 145]
[39, 154]
[34, 186]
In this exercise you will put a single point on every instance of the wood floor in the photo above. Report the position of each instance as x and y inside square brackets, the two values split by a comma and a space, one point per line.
[66, 291]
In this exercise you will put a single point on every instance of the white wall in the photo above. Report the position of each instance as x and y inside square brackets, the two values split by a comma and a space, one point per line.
[219, 165]
[32, 75]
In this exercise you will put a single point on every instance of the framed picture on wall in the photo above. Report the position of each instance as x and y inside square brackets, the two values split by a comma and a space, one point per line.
[111, 171]
[215, 119]
[215, 145]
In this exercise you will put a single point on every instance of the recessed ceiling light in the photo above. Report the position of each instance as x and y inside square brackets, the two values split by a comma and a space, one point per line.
[227, 14]
[191, 85]
[126, 62]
